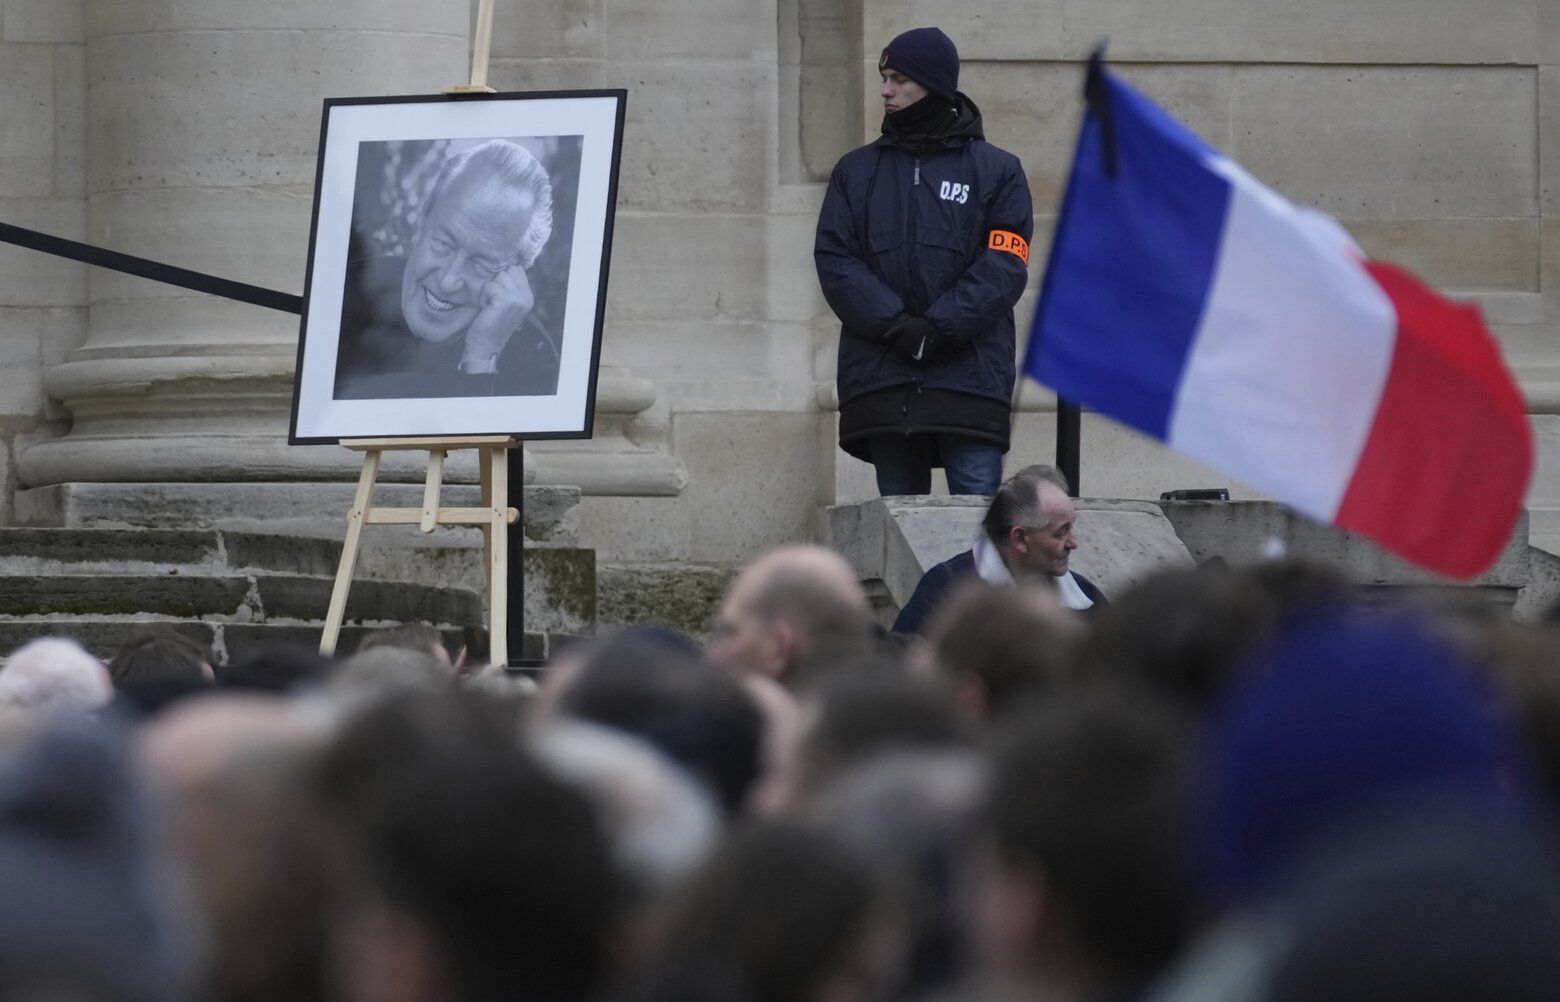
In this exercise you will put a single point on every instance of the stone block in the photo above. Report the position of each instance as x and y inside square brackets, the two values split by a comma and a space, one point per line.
[26, 119]
[308, 509]
[400, 17]
[1115, 461]
[1033, 110]
[307, 599]
[791, 283]
[128, 314]
[21, 389]
[1016, 30]
[1248, 532]
[560, 590]
[167, 128]
[254, 235]
[41, 20]
[667, 350]
[1323, 31]
[682, 596]
[697, 135]
[1542, 591]
[1549, 131]
[30, 278]
[167, 595]
[61, 330]
[717, 393]
[697, 268]
[1549, 276]
[70, 120]
[754, 481]
[637, 530]
[826, 126]
[1419, 142]
[706, 29]
[1483, 254]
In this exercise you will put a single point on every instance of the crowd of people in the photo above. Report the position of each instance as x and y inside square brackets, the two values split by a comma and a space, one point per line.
[1226, 784]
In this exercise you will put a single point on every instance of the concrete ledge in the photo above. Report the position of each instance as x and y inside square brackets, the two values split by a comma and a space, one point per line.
[1244, 532]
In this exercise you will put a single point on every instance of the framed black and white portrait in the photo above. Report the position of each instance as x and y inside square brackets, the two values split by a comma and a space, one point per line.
[458, 266]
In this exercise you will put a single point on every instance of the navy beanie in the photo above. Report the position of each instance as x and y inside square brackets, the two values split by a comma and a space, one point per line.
[1346, 714]
[926, 56]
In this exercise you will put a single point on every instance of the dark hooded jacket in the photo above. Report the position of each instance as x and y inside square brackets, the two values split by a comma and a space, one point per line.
[918, 224]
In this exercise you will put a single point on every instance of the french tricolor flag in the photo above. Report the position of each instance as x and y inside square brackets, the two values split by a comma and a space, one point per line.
[1186, 299]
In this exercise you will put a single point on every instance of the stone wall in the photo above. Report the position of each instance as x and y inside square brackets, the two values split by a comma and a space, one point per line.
[1428, 126]
[43, 301]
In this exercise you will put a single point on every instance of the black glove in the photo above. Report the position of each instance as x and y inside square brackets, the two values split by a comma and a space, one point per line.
[914, 337]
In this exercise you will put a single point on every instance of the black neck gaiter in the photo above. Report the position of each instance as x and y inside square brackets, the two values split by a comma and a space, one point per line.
[922, 127]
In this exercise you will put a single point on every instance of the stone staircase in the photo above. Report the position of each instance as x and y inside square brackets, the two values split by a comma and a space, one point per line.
[239, 566]
[231, 591]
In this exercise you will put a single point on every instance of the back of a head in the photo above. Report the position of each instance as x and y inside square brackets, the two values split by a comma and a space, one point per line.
[278, 668]
[1012, 641]
[662, 823]
[816, 592]
[915, 814]
[774, 912]
[407, 636]
[53, 674]
[1349, 714]
[85, 914]
[461, 830]
[388, 670]
[858, 716]
[160, 655]
[662, 691]
[1432, 907]
[1087, 791]
[1182, 633]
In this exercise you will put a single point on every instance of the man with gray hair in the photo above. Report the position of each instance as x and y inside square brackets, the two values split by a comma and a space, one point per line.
[54, 674]
[1027, 536]
[453, 316]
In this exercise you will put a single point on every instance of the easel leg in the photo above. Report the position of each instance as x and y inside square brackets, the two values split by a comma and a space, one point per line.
[355, 520]
[498, 557]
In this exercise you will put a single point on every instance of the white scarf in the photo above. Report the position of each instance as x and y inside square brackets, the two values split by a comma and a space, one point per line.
[991, 569]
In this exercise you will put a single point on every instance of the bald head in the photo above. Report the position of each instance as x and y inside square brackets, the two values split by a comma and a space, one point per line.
[790, 611]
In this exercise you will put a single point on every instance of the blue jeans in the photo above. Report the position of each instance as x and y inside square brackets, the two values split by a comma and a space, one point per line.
[903, 463]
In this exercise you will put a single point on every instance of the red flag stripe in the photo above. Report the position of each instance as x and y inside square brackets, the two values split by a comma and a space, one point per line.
[1445, 467]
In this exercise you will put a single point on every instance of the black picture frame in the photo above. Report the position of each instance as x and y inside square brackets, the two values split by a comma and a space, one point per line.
[396, 176]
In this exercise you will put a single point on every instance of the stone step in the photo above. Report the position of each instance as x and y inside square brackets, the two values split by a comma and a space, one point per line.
[228, 642]
[560, 582]
[231, 597]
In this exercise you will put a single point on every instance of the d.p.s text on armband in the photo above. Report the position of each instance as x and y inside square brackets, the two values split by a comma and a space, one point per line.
[1006, 240]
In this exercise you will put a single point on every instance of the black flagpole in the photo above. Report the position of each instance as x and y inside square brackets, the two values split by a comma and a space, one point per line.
[1069, 416]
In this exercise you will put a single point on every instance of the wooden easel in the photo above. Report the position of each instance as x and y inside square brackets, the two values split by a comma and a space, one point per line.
[494, 516]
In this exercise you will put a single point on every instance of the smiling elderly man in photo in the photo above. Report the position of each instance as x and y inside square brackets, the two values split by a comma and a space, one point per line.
[453, 317]
[1027, 537]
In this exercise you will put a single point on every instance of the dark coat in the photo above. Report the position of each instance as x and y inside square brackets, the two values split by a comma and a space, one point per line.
[906, 235]
[934, 584]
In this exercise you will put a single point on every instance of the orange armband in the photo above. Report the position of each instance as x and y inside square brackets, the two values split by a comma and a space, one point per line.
[1006, 240]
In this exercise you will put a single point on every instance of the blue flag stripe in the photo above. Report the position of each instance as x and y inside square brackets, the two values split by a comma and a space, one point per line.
[1130, 267]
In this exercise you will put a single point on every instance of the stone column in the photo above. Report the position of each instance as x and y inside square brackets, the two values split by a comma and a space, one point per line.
[204, 125]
